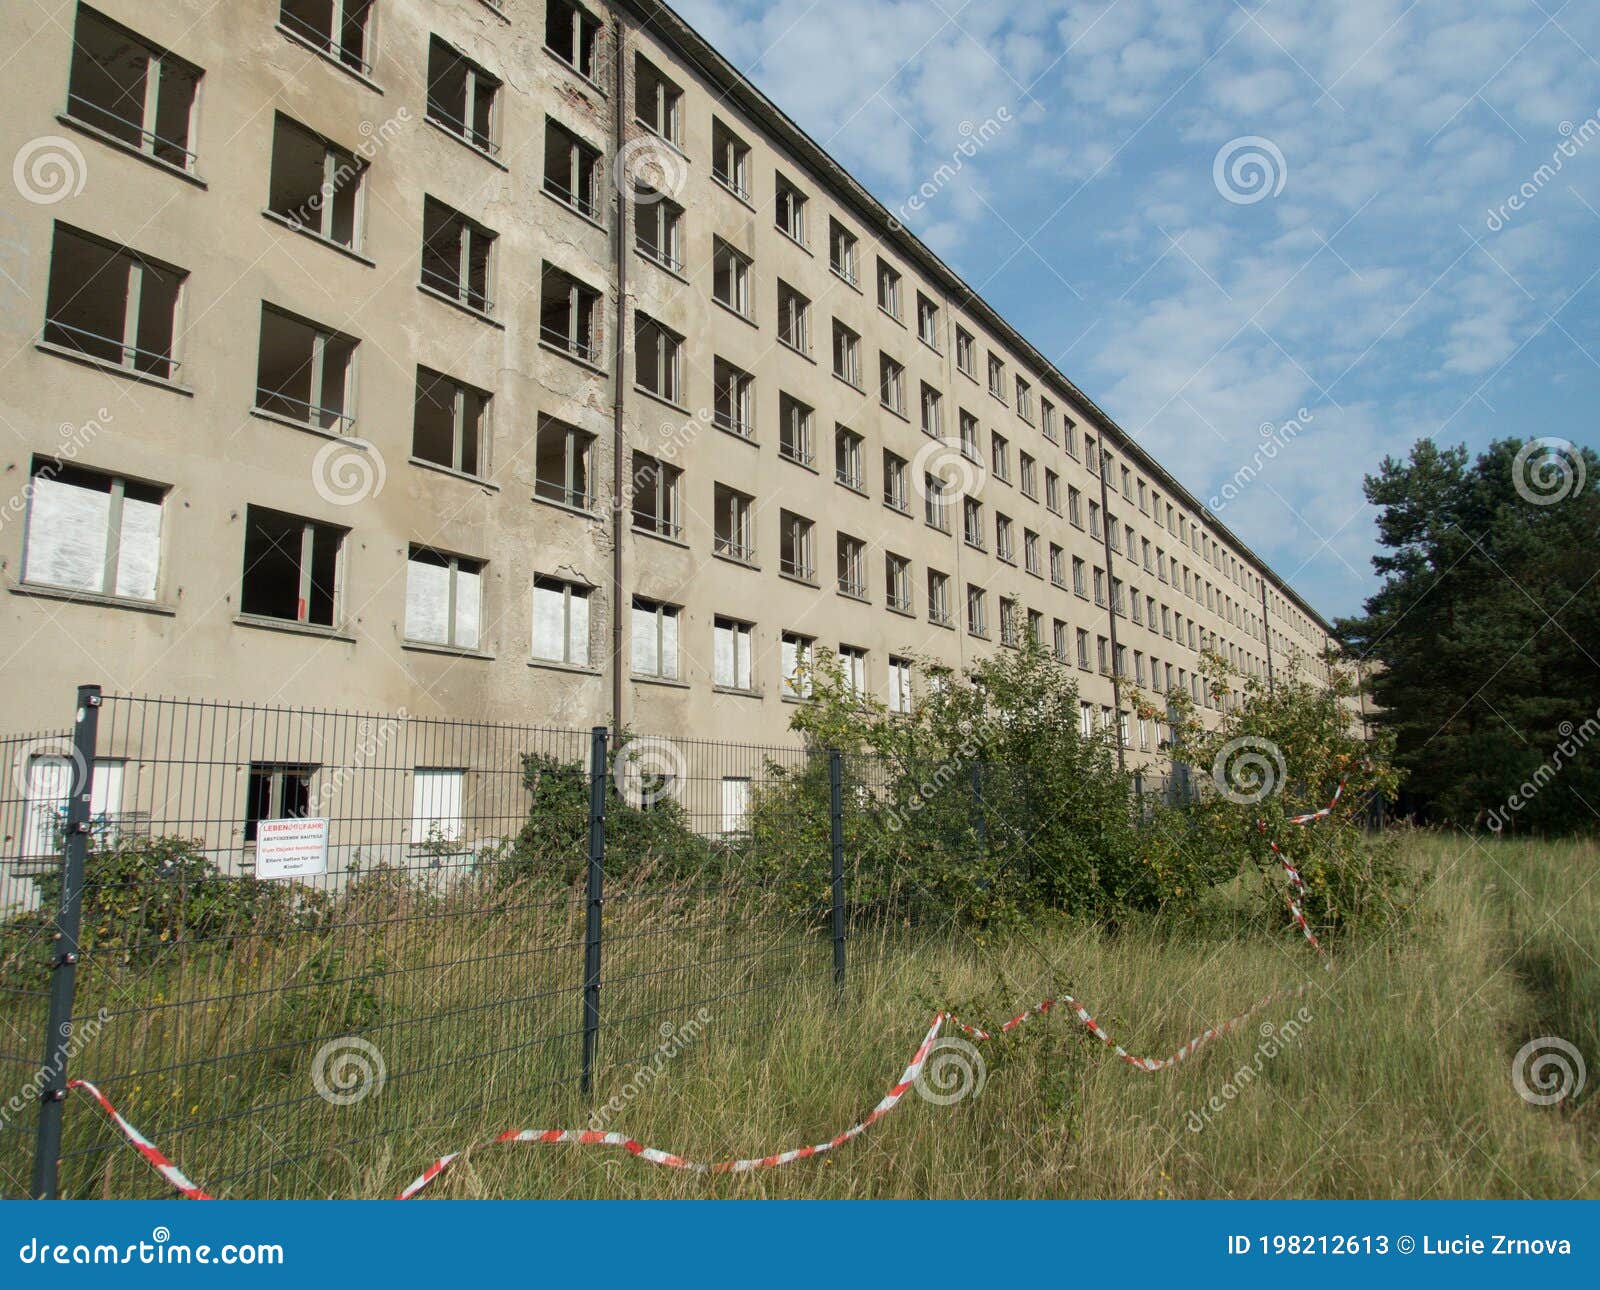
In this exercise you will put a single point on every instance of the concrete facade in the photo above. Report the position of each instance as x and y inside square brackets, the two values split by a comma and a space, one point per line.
[208, 429]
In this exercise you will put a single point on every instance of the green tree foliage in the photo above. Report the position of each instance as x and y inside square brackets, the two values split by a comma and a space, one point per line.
[1483, 637]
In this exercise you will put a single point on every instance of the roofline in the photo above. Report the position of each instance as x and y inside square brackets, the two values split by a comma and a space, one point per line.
[670, 27]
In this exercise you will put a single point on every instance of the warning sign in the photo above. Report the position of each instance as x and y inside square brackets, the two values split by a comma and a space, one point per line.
[291, 848]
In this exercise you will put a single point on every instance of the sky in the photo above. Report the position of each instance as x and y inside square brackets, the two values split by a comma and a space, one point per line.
[1331, 228]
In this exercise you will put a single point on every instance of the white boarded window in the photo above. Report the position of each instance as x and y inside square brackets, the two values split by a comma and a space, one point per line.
[853, 663]
[560, 622]
[655, 639]
[899, 685]
[92, 532]
[731, 654]
[436, 811]
[796, 665]
[735, 803]
[49, 784]
[443, 599]
[1086, 720]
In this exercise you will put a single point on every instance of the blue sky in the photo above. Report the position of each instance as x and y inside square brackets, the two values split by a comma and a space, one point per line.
[1354, 252]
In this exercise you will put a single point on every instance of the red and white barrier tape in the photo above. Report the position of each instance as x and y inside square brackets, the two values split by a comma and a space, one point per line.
[179, 1180]
[1297, 884]
[890, 1100]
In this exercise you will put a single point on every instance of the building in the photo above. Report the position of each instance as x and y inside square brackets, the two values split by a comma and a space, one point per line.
[517, 359]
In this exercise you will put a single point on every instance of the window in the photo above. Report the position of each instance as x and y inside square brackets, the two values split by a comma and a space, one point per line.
[1100, 586]
[790, 211]
[572, 170]
[304, 372]
[997, 377]
[969, 436]
[1047, 419]
[112, 304]
[461, 96]
[927, 321]
[894, 482]
[457, 257]
[972, 522]
[938, 598]
[1074, 506]
[797, 546]
[1069, 431]
[1078, 577]
[843, 252]
[730, 278]
[657, 228]
[1086, 720]
[1000, 456]
[1028, 475]
[794, 429]
[935, 505]
[966, 353]
[891, 384]
[138, 93]
[1003, 542]
[339, 32]
[570, 32]
[794, 318]
[733, 534]
[91, 532]
[735, 803]
[899, 684]
[1095, 528]
[316, 185]
[932, 415]
[1052, 491]
[848, 467]
[563, 464]
[444, 598]
[897, 582]
[977, 620]
[1036, 626]
[852, 558]
[1059, 643]
[853, 667]
[658, 354]
[47, 788]
[1030, 551]
[730, 652]
[1058, 565]
[654, 639]
[658, 103]
[730, 160]
[655, 496]
[734, 409]
[561, 622]
[568, 314]
[798, 652]
[888, 289]
[276, 792]
[1083, 649]
[1024, 400]
[437, 815]
[291, 568]
[846, 354]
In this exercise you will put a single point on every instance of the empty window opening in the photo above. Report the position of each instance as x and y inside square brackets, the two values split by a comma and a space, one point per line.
[730, 160]
[734, 408]
[339, 28]
[461, 96]
[790, 209]
[655, 496]
[276, 792]
[797, 553]
[571, 33]
[305, 372]
[457, 256]
[450, 428]
[563, 465]
[112, 304]
[138, 93]
[316, 185]
[794, 318]
[794, 429]
[733, 524]
[571, 170]
[852, 558]
[730, 277]
[291, 568]
[658, 102]
[658, 354]
[657, 228]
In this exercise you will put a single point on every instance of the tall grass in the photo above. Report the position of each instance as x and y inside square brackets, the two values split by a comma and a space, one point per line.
[1394, 1080]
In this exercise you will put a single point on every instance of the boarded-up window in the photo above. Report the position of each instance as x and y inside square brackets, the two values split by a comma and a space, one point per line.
[560, 622]
[443, 599]
[49, 781]
[735, 803]
[93, 532]
[436, 806]
[655, 639]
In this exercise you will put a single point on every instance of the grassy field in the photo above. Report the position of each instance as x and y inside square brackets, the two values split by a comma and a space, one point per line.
[1392, 1076]
[1396, 1080]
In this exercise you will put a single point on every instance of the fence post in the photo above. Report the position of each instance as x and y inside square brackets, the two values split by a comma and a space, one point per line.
[595, 898]
[836, 846]
[64, 943]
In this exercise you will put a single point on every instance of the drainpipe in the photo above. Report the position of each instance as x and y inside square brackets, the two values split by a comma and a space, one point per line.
[1266, 635]
[618, 382]
[1111, 608]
